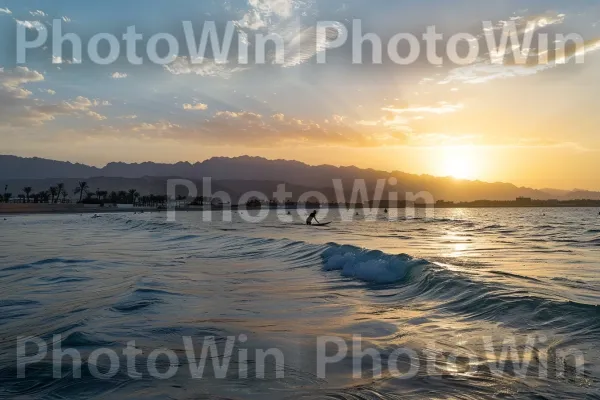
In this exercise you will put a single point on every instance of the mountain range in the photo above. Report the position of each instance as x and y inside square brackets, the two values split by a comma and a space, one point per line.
[241, 174]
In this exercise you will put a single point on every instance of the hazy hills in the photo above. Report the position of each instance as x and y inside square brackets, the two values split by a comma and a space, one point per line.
[241, 174]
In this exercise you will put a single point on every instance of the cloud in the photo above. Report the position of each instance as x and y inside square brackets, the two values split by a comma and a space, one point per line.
[38, 13]
[277, 17]
[535, 22]
[441, 108]
[119, 75]
[302, 44]
[132, 116]
[282, 18]
[48, 91]
[279, 129]
[160, 129]
[18, 108]
[80, 106]
[19, 76]
[34, 25]
[263, 13]
[66, 19]
[208, 68]
[60, 60]
[11, 83]
[485, 71]
[245, 128]
[195, 107]
[398, 121]
[95, 115]
[5, 11]
[83, 103]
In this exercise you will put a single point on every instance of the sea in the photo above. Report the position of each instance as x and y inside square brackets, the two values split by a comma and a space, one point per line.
[447, 304]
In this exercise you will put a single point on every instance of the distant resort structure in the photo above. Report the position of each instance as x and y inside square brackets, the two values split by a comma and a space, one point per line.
[518, 202]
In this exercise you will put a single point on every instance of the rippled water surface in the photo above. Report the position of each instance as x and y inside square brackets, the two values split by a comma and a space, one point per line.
[441, 288]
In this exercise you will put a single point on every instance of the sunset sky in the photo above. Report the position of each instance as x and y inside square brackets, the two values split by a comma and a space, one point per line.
[532, 125]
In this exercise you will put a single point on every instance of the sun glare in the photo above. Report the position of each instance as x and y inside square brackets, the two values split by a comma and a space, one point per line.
[460, 163]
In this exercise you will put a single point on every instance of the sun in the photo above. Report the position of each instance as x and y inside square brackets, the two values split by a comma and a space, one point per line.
[459, 169]
[460, 162]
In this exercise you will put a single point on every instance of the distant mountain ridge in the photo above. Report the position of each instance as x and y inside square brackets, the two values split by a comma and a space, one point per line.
[18, 171]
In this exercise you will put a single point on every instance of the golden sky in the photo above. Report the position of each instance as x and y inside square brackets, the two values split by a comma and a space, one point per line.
[533, 125]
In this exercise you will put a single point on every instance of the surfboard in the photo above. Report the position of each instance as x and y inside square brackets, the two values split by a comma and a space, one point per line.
[323, 224]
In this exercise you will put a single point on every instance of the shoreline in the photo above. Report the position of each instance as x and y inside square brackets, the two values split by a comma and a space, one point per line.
[52, 209]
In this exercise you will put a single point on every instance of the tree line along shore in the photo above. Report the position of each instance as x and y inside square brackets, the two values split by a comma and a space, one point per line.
[83, 196]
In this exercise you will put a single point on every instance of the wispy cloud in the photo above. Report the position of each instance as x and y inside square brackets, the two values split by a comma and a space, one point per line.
[245, 128]
[440, 108]
[208, 68]
[48, 91]
[195, 107]
[484, 70]
[302, 44]
[5, 11]
[283, 18]
[38, 13]
[119, 75]
[37, 25]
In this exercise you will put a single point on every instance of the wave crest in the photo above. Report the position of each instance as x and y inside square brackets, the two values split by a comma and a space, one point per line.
[368, 265]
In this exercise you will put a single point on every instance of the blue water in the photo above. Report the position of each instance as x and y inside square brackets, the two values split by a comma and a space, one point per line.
[438, 287]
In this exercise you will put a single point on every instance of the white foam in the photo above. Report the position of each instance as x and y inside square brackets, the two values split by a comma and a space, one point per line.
[368, 266]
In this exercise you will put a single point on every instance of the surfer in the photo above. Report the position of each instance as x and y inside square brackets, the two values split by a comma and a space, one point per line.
[311, 217]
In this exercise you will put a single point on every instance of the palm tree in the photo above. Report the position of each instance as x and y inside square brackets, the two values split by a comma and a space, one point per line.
[65, 195]
[53, 193]
[60, 187]
[43, 196]
[132, 195]
[81, 189]
[27, 190]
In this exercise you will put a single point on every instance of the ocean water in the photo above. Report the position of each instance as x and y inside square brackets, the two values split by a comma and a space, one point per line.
[445, 304]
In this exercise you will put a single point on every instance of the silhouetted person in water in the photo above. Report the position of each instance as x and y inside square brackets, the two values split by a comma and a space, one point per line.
[311, 217]
[385, 211]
